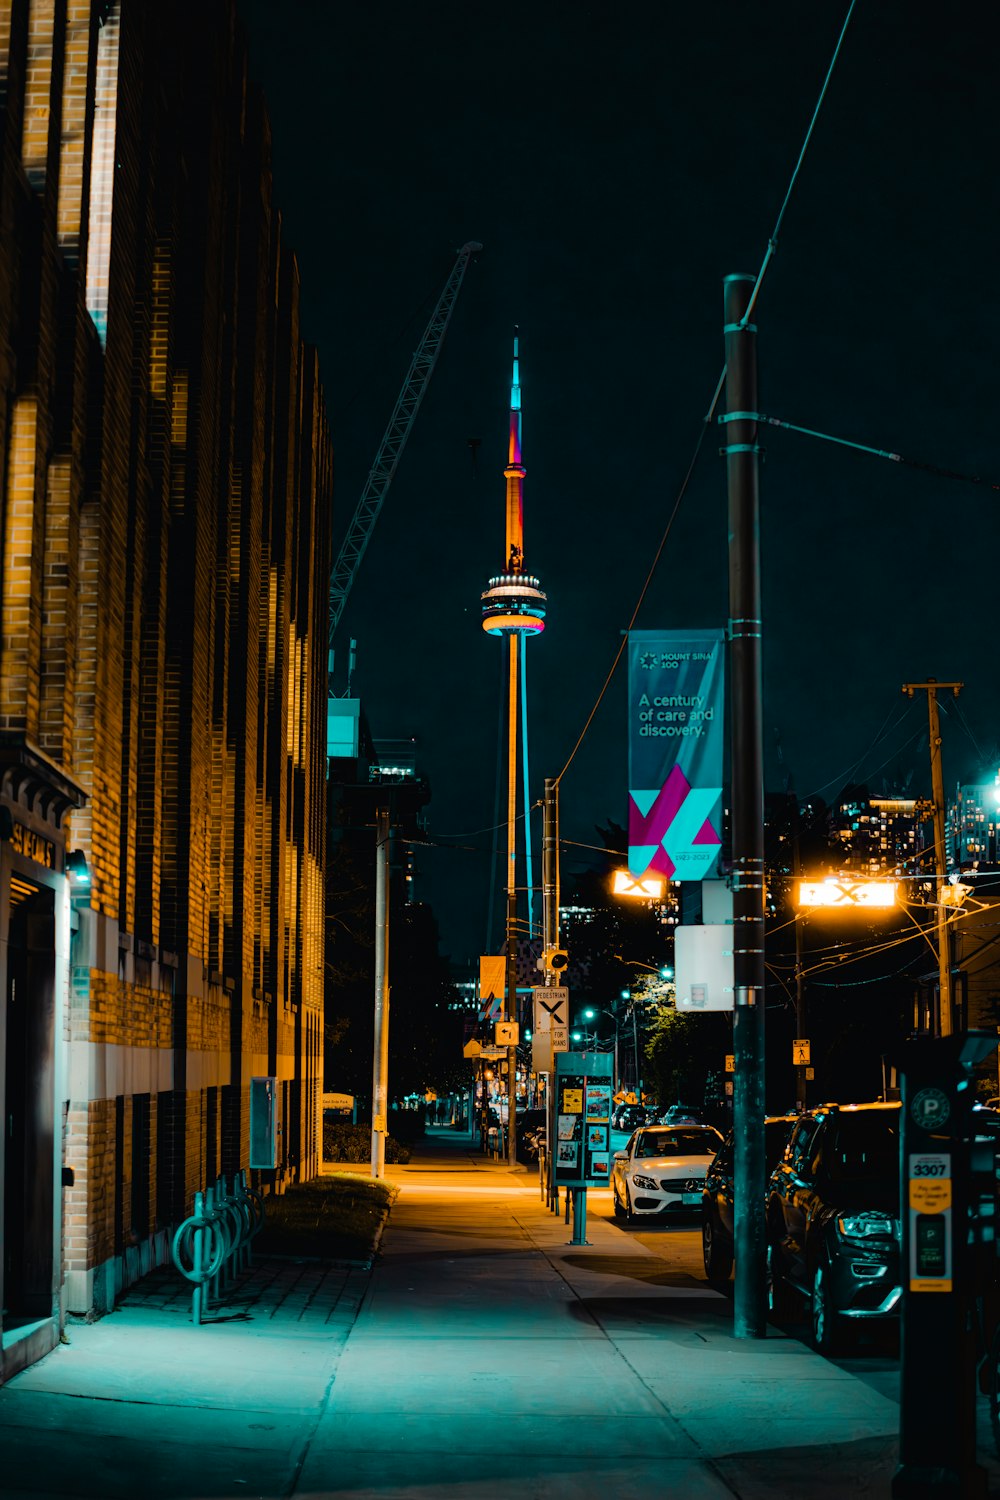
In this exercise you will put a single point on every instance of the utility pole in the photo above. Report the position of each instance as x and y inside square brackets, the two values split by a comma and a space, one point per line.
[380, 1066]
[550, 870]
[946, 1013]
[550, 941]
[745, 656]
[800, 999]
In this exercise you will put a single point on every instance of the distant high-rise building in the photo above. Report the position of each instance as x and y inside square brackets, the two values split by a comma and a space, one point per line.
[973, 831]
[882, 835]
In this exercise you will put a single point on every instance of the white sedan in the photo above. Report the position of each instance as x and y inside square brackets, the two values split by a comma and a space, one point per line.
[662, 1169]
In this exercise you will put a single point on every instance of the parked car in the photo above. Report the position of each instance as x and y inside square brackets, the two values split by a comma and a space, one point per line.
[628, 1116]
[833, 1230]
[678, 1114]
[717, 1227]
[662, 1169]
[530, 1134]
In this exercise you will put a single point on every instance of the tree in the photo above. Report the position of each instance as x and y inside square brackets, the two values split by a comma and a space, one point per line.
[683, 1051]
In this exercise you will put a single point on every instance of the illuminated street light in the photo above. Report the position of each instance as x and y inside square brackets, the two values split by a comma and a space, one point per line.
[646, 887]
[842, 892]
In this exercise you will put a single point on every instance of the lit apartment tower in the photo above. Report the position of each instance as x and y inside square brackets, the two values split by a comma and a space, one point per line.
[974, 825]
[513, 607]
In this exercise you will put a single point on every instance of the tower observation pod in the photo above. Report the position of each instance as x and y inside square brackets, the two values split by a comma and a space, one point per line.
[514, 603]
[514, 606]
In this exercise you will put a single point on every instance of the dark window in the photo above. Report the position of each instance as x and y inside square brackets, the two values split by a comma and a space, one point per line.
[864, 1146]
[140, 1166]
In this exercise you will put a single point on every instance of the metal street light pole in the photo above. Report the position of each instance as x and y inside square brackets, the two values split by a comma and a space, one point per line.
[380, 1069]
[745, 656]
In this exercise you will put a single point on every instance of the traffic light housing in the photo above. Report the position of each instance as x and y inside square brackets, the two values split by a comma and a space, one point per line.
[553, 960]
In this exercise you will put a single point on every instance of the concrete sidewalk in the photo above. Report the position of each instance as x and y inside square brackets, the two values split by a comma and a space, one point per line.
[483, 1357]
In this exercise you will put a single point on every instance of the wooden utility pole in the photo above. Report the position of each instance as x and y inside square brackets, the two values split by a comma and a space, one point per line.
[945, 1012]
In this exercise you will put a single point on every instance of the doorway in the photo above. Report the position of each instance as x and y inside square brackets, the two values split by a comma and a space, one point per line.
[29, 1105]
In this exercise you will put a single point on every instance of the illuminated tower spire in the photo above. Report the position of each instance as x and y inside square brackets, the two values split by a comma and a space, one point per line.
[514, 474]
[514, 606]
[514, 603]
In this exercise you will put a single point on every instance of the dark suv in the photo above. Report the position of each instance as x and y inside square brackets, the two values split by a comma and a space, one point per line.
[833, 1218]
[717, 1231]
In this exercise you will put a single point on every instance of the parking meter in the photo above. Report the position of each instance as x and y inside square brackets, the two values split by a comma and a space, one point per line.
[937, 1435]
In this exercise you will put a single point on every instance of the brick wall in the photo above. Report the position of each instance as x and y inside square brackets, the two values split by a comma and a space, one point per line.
[166, 474]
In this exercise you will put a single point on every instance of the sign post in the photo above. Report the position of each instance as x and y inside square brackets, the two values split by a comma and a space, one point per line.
[582, 1148]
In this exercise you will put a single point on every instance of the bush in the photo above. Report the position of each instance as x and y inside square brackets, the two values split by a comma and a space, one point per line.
[346, 1142]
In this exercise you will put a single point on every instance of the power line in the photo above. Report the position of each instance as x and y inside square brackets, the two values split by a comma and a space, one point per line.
[772, 246]
[897, 458]
[846, 776]
[772, 243]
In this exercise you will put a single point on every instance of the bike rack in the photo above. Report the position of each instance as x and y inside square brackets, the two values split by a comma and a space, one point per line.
[213, 1244]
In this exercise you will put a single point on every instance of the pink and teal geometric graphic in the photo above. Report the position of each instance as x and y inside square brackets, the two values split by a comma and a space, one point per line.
[671, 829]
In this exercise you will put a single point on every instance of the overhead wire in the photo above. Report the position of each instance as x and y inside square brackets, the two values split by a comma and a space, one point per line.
[707, 420]
[847, 776]
[706, 424]
[911, 463]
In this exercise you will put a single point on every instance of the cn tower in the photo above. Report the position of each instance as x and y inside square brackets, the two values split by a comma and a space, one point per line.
[514, 607]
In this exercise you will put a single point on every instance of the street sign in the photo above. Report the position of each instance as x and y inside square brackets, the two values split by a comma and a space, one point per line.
[471, 1049]
[541, 1052]
[337, 1101]
[551, 1006]
[730, 1062]
[559, 1037]
[505, 1033]
[800, 1053]
[492, 1054]
[810, 1075]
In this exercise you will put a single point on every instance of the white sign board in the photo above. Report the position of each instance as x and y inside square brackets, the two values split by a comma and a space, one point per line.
[551, 1006]
[703, 967]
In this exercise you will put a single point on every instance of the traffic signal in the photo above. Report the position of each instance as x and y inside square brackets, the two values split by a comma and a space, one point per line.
[554, 960]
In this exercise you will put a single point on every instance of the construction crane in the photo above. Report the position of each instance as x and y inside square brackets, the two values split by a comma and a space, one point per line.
[393, 442]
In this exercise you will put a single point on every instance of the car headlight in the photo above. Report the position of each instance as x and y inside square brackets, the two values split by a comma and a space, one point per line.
[869, 1225]
[645, 1182]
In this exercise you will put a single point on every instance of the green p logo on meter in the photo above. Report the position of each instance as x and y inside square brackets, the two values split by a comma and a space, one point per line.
[929, 1206]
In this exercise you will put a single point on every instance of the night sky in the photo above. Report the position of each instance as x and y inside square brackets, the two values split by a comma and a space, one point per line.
[617, 162]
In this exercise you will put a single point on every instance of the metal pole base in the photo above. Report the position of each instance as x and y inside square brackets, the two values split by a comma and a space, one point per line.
[915, 1482]
[579, 1216]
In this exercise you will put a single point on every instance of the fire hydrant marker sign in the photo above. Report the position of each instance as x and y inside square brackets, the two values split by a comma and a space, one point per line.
[676, 687]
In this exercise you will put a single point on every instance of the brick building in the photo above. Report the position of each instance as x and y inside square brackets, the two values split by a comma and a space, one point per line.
[165, 488]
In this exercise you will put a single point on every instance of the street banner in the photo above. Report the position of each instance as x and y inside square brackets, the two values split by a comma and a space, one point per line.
[676, 705]
[492, 986]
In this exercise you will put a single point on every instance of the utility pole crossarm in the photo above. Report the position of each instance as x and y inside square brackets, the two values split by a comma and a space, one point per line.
[387, 457]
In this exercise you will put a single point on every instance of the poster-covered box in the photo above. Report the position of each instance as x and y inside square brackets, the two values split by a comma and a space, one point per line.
[583, 1119]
